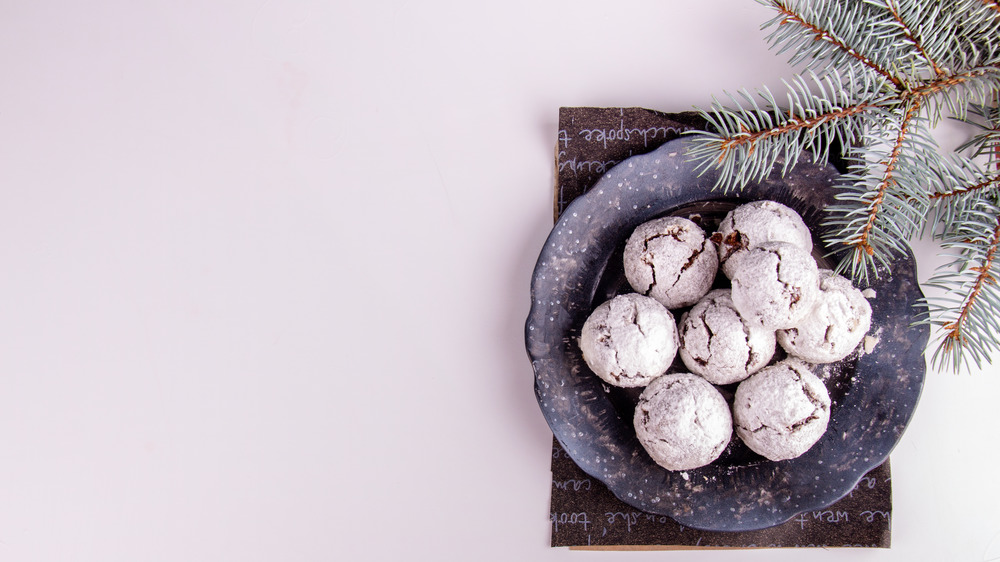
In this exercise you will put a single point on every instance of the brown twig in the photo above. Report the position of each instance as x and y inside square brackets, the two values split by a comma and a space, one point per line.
[993, 182]
[909, 35]
[996, 104]
[945, 82]
[824, 35]
[888, 180]
[994, 4]
[793, 124]
[953, 330]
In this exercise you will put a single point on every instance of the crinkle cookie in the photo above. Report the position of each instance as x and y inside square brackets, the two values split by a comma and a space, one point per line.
[774, 285]
[682, 421]
[836, 325]
[671, 260]
[629, 340]
[718, 344]
[753, 224]
[781, 411]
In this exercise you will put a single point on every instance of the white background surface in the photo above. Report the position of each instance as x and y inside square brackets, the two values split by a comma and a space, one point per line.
[266, 265]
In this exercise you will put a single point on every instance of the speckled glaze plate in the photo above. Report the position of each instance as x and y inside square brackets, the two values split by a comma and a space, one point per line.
[874, 394]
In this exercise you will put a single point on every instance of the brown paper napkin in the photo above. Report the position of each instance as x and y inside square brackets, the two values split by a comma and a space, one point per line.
[583, 512]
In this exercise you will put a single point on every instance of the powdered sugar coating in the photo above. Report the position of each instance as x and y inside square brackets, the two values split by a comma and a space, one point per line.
[836, 325]
[774, 285]
[718, 344]
[753, 224]
[682, 421]
[671, 260]
[781, 411]
[629, 340]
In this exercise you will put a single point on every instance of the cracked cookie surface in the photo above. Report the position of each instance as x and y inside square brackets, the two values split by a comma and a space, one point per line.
[718, 344]
[774, 285]
[782, 411]
[629, 340]
[682, 421]
[836, 325]
[670, 260]
[753, 224]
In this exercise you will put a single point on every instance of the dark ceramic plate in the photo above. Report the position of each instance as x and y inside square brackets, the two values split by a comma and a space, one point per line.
[874, 394]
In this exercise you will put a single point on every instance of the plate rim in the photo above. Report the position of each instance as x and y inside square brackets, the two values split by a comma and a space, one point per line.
[609, 186]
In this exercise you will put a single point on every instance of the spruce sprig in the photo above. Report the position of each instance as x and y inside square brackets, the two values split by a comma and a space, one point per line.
[878, 76]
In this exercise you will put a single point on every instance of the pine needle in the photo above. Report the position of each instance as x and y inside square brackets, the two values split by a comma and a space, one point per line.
[878, 76]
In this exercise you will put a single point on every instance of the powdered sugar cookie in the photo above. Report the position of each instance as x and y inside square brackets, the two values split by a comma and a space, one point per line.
[753, 224]
[671, 260]
[774, 285]
[629, 340]
[718, 344]
[836, 325]
[781, 411]
[682, 421]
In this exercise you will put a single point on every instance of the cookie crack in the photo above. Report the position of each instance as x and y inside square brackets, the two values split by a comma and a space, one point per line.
[730, 243]
[669, 385]
[759, 428]
[695, 358]
[617, 375]
[673, 232]
[605, 334]
[694, 257]
[817, 402]
[792, 334]
[795, 293]
[751, 356]
[828, 337]
[811, 418]
[647, 259]
[711, 332]
[645, 415]
[634, 319]
[711, 338]
[697, 422]
[819, 405]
